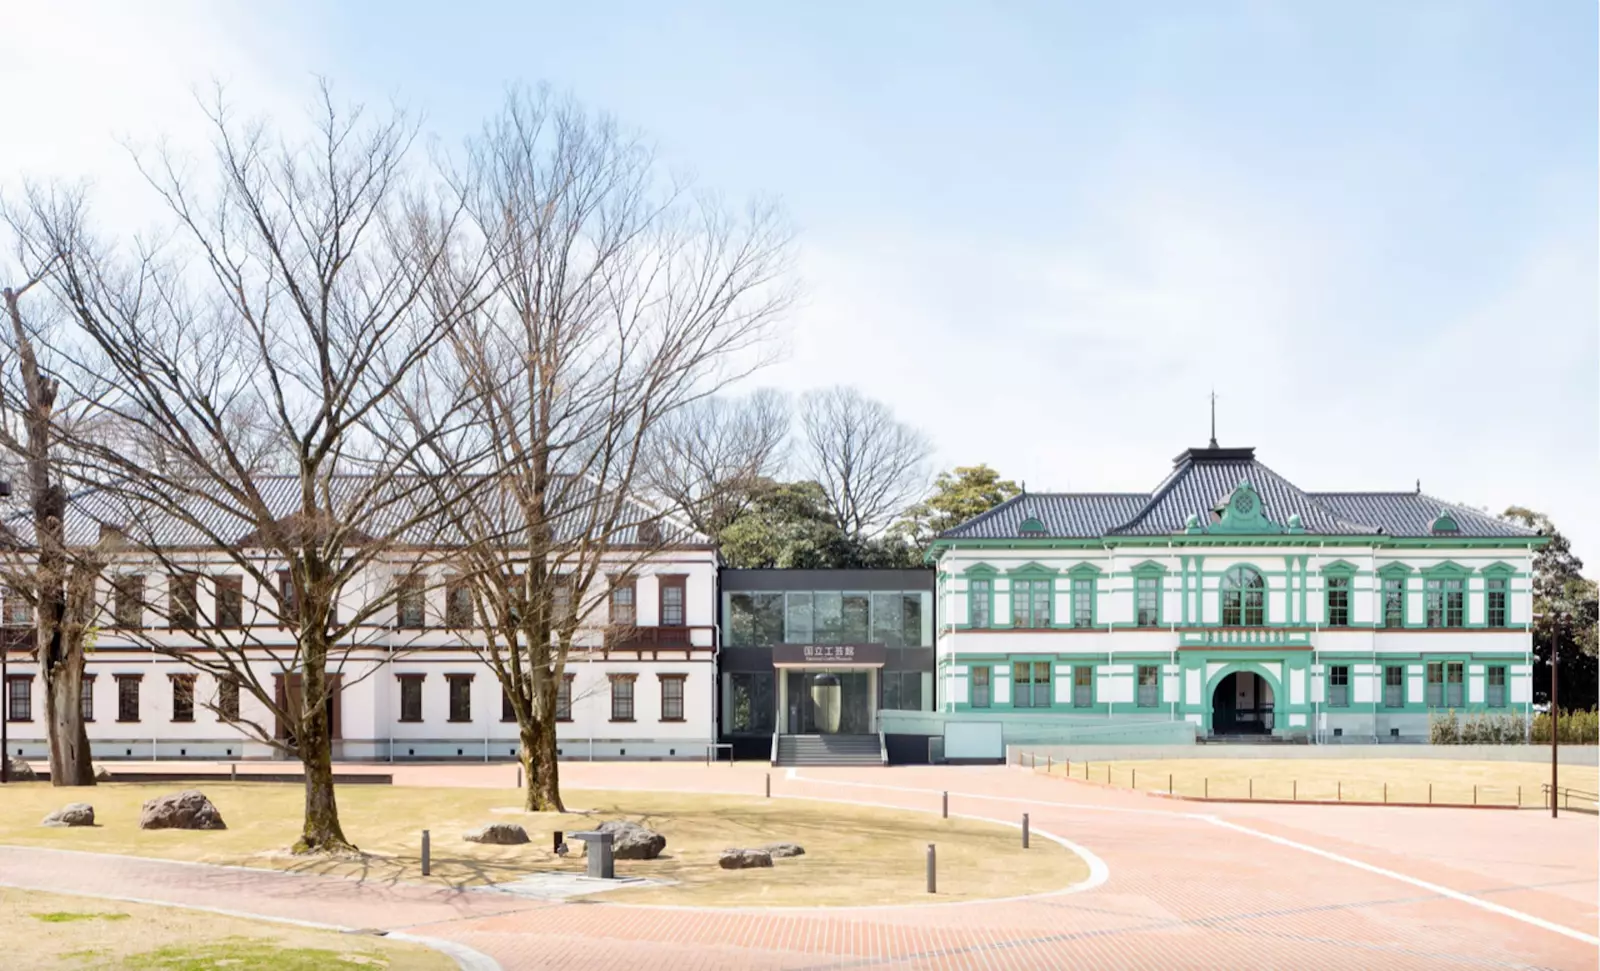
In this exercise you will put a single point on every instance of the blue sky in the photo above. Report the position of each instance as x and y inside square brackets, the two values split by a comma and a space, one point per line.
[1044, 232]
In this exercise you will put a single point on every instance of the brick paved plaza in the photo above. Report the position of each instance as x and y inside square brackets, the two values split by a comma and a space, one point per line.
[1176, 886]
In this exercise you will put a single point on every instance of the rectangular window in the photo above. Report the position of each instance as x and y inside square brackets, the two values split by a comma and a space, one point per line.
[228, 700]
[1394, 602]
[980, 599]
[1082, 686]
[1394, 681]
[621, 698]
[1453, 671]
[564, 698]
[230, 602]
[410, 603]
[799, 618]
[561, 610]
[507, 713]
[128, 597]
[460, 697]
[1496, 587]
[86, 698]
[671, 697]
[755, 705]
[1083, 603]
[182, 603]
[1149, 686]
[1338, 686]
[182, 697]
[1147, 601]
[1435, 684]
[1338, 591]
[911, 620]
[19, 699]
[622, 612]
[980, 687]
[458, 603]
[1497, 687]
[902, 690]
[411, 697]
[1030, 684]
[1444, 603]
[672, 592]
[856, 608]
[128, 697]
[18, 612]
[1030, 603]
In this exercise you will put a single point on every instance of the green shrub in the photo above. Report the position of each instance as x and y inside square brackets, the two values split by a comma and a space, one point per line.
[1479, 728]
[1577, 728]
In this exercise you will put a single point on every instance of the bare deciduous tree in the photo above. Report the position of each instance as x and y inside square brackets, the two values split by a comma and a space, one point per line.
[297, 298]
[869, 464]
[707, 460]
[613, 300]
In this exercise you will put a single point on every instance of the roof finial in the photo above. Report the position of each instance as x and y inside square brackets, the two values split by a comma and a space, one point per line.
[1213, 417]
[1419, 487]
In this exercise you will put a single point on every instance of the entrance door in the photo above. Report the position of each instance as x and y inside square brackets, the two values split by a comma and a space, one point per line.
[1242, 704]
[829, 702]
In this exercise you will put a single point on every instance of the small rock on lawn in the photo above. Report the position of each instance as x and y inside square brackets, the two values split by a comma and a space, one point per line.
[500, 834]
[72, 814]
[744, 859]
[102, 774]
[782, 850]
[189, 809]
[21, 771]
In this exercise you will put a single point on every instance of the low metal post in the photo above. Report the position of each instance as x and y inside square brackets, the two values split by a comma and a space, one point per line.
[1049, 763]
[1250, 788]
[1430, 793]
[944, 806]
[1205, 789]
[427, 863]
[1169, 785]
[769, 785]
[1135, 775]
[1294, 790]
[1386, 793]
[1519, 797]
[1108, 773]
[933, 879]
[1338, 790]
[1033, 762]
[1024, 830]
[519, 775]
[233, 772]
[1474, 793]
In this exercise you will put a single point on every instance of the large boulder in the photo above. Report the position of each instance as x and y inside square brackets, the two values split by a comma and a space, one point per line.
[72, 814]
[189, 809]
[630, 841]
[780, 851]
[21, 771]
[744, 859]
[500, 834]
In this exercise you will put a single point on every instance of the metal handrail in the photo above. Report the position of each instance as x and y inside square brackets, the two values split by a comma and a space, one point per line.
[1566, 794]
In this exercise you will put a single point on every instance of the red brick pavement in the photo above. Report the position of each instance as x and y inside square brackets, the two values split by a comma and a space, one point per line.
[1185, 889]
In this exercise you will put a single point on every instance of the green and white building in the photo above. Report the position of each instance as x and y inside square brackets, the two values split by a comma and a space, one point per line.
[1231, 599]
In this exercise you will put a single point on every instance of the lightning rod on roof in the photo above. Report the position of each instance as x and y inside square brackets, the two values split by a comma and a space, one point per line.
[1419, 487]
[1213, 417]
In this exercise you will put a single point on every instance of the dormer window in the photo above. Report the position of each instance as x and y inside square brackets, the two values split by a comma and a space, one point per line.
[1445, 523]
[1032, 527]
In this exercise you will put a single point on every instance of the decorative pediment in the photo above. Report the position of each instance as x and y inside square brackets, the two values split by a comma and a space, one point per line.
[980, 570]
[1499, 568]
[1149, 567]
[1394, 569]
[1033, 569]
[1340, 566]
[1448, 568]
[1084, 570]
[1244, 513]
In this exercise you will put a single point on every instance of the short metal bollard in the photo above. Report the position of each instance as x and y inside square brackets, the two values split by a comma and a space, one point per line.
[769, 785]
[1024, 830]
[933, 879]
[427, 864]
[944, 808]
[233, 772]
[519, 776]
[558, 846]
[600, 861]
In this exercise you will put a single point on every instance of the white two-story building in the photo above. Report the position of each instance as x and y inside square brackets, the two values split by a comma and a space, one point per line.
[640, 681]
[1230, 598]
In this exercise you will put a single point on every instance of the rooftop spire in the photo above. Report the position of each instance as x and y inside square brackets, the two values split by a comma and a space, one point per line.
[1213, 417]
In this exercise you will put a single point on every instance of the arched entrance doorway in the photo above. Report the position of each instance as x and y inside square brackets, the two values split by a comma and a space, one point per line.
[1241, 704]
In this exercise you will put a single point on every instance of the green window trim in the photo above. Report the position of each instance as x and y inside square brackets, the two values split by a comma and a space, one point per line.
[1147, 601]
[1338, 582]
[980, 602]
[1031, 602]
[1243, 595]
[1393, 604]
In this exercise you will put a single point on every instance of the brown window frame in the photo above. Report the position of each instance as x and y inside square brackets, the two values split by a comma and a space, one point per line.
[233, 584]
[679, 680]
[564, 698]
[407, 587]
[86, 699]
[459, 609]
[13, 616]
[227, 699]
[680, 583]
[452, 681]
[127, 598]
[182, 697]
[617, 586]
[27, 698]
[288, 603]
[404, 681]
[632, 696]
[183, 601]
[122, 681]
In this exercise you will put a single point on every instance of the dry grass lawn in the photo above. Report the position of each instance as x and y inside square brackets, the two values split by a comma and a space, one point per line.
[45, 932]
[854, 855]
[1356, 780]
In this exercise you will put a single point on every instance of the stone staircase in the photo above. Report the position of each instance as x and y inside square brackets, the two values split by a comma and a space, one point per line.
[829, 750]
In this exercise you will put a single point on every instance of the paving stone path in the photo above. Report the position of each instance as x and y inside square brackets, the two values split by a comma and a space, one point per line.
[1182, 886]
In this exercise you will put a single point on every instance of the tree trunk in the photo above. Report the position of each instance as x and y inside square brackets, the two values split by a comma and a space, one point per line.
[70, 762]
[322, 832]
[539, 759]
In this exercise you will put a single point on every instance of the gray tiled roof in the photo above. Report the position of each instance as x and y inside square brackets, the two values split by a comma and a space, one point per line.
[1202, 479]
[207, 518]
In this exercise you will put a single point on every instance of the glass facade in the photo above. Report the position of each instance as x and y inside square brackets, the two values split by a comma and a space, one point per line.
[892, 618]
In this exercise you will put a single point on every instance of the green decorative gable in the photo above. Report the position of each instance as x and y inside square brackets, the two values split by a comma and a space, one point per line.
[1032, 527]
[1149, 568]
[980, 570]
[1244, 514]
[1340, 567]
[1395, 569]
[1445, 523]
[1084, 570]
[1446, 569]
[1499, 568]
[1032, 570]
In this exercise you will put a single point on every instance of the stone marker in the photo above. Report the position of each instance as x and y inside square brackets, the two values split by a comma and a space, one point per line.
[780, 851]
[21, 771]
[630, 841]
[744, 859]
[189, 809]
[72, 814]
[500, 834]
[102, 774]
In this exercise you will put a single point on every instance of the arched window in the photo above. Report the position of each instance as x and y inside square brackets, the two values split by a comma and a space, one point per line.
[1244, 598]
